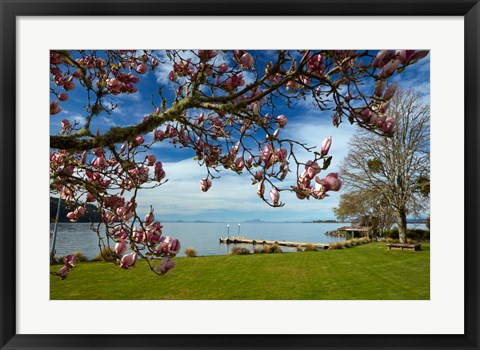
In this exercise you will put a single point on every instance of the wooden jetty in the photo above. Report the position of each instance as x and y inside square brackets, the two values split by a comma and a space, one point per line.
[235, 240]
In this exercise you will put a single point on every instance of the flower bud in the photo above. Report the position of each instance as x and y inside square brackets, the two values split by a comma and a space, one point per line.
[326, 146]
[274, 196]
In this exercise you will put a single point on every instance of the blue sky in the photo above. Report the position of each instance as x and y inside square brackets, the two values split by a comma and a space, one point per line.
[232, 198]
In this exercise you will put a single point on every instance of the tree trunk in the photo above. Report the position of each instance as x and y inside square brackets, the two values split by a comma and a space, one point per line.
[402, 225]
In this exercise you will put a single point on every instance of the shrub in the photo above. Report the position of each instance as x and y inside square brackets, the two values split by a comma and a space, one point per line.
[347, 244]
[311, 248]
[257, 250]
[190, 252]
[299, 249]
[106, 254]
[240, 251]
[414, 234]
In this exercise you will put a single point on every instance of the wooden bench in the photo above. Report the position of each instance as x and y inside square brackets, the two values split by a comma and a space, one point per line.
[403, 246]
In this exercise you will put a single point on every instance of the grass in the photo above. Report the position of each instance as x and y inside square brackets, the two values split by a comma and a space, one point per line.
[363, 272]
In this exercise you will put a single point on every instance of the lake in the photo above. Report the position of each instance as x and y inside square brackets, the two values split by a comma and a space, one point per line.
[204, 237]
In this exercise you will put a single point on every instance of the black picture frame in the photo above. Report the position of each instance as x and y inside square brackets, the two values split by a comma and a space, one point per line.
[9, 339]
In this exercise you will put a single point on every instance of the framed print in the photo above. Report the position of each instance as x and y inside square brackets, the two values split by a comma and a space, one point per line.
[244, 87]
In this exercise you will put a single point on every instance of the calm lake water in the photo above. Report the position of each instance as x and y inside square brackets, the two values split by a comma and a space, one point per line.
[204, 237]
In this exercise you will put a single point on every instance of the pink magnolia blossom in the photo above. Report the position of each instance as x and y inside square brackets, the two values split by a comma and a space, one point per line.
[142, 68]
[311, 169]
[84, 157]
[63, 272]
[266, 154]
[222, 68]
[99, 162]
[261, 189]
[165, 266]
[81, 210]
[405, 55]
[172, 76]
[315, 63]
[55, 108]
[205, 184]
[282, 121]
[66, 124]
[159, 135]
[389, 124]
[120, 247]
[207, 55]
[158, 170]
[151, 159]
[258, 175]
[330, 183]
[69, 84]
[246, 60]
[389, 69]
[239, 164]
[274, 195]
[138, 235]
[63, 97]
[114, 85]
[69, 260]
[149, 218]
[379, 87]
[379, 59]
[168, 245]
[73, 216]
[128, 261]
[326, 146]
[390, 91]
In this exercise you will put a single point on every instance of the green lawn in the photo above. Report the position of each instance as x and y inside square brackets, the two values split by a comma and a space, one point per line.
[363, 272]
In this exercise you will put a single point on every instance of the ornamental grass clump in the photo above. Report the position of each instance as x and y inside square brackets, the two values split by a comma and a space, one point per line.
[190, 252]
[257, 250]
[79, 256]
[336, 245]
[310, 248]
[240, 251]
[271, 249]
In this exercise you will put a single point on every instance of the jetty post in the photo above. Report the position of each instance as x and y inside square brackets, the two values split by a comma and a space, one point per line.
[228, 231]
[238, 230]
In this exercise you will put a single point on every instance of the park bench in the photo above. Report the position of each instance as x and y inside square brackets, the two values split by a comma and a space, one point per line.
[403, 246]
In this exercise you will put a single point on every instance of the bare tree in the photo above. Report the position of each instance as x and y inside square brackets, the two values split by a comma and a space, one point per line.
[397, 168]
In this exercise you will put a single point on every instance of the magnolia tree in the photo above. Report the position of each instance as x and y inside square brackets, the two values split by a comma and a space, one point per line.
[220, 104]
